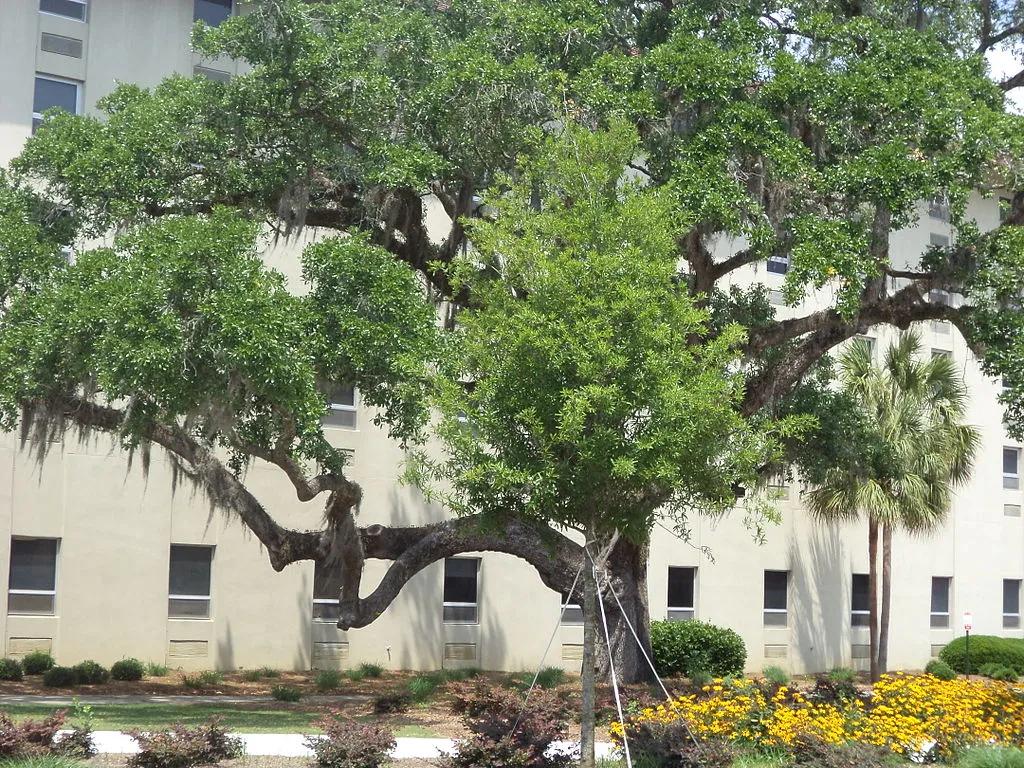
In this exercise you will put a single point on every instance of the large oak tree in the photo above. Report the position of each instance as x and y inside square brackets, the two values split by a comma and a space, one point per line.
[807, 132]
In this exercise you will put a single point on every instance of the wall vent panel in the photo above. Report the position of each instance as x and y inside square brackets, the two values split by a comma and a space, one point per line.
[19, 646]
[776, 651]
[460, 651]
[63, 46]
[187, 649]
[572, 652]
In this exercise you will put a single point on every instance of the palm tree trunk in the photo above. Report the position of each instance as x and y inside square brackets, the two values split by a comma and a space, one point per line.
[873, 597]
[883, 624]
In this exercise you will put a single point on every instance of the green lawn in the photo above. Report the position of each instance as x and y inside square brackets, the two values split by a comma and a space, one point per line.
[123, 717]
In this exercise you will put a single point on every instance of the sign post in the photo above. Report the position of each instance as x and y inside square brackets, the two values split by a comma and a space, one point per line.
[968, 623]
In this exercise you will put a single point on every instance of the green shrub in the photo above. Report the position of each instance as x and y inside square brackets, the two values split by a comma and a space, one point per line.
[422, 687]
[285, 693]
[371, 670]
[269, 672]
[155, 669]
[127, 669]
[10, 669]
[775, 675]
[683, 647]
[991, 757]
[842, 675]
[251, 675]
[391, 702]
[940, 669]
[351, 744]
[181, 747]
[205, 679]
[700, 677]
[551, 677]
[355, 675]
[997, 671]
[59, 677]
[37, 662]
[985, 649]
[328, 679]
[90, 673]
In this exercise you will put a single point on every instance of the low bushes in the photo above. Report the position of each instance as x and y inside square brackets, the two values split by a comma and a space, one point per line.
[182, 747]
[348, 743]
[127, 669]
[328, 679]
[985, 649]
[35, 738]
[811, 752]
[285, 693]
[59, 677]
[683, 648]
[10, 669]
[90, 673]
[670, 744]
[507, 734]
[997, 671]
[37, 662]
[940, 669]
[205, 679]
[391, 702]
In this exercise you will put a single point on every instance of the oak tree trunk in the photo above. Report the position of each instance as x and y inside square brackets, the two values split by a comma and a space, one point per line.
[883, 623]
[627, 572]
[588, 676]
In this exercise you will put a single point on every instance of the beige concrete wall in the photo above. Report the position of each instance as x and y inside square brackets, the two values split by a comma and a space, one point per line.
[116, 523]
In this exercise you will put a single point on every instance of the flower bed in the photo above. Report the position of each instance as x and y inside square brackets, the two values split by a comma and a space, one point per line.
[903, 713]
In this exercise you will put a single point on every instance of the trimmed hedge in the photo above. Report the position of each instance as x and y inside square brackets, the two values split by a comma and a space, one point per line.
[940, 669]
[90, 673]
[10, 669]
[59, 677]
[37, 662]
[985, 649]
[692, 647]
[127, 669]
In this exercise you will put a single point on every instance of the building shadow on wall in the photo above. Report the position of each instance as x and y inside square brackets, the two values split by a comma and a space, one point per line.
[820, 603]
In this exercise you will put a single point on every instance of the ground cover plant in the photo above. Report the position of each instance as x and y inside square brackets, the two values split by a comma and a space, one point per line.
[347, 743]
[183, 747]
[905, 714]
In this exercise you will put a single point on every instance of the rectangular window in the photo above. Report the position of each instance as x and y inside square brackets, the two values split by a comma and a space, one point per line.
[938, 208]
[326, 593]
[778, 264]
[938, 241]
[69, 9]
[460, 582]
[573, 613]
[776, 298]
[778, 486]
[211, 74]
[32, 582]
[1011, 603]
[1011, 510]
[941, 353]
[212, 12]
[55, 93]
[860, 601]
[341, 407]
[776, 598]
[870, 342]
[1011, 467]
[680, 593]
[188, 592]
[940, 602]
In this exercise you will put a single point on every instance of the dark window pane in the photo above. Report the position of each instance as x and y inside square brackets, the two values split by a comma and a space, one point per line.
[1011, 458]
[326, 611]
[326, 582]
[778, 264]
[860, 592]
[1011, 595]
[940, 594]
[775, 589]
[53, 93]
[461, 614]
[940, 241]
[33, 564]
[67, 8]
[680, 587]
[460, 580]
[190, 570]
[213, 12]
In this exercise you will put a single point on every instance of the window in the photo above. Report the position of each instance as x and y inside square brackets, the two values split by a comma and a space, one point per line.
[1011, 603]
[938, 207]
[1011, 467]
[942, 298]
[341, 407]
[326, 593]
[870, 342]
[776, 298]
[776, 598]
[54, 92]
[778, 485]
[860, 602]
[778, 264]
[938, 241]
[940, 602]
[32, 582]
[941, 353]
[70, 9]
[573, 613]
[460, 577]
[188, 593]
[680, 593]
[211, 74]
[213, 12]
[1011, 510]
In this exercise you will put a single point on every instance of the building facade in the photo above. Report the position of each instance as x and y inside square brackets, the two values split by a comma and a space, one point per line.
[105, 560]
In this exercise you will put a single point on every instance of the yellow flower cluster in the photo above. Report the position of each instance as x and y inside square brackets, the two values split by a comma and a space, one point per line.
[903, 713]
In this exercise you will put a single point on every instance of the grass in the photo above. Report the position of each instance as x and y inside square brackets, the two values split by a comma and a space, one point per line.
[41, 761]
[120, 717]
[991, 757]
[153, 669]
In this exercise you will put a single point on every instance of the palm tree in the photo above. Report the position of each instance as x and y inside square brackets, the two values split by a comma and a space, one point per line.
[921, 451]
